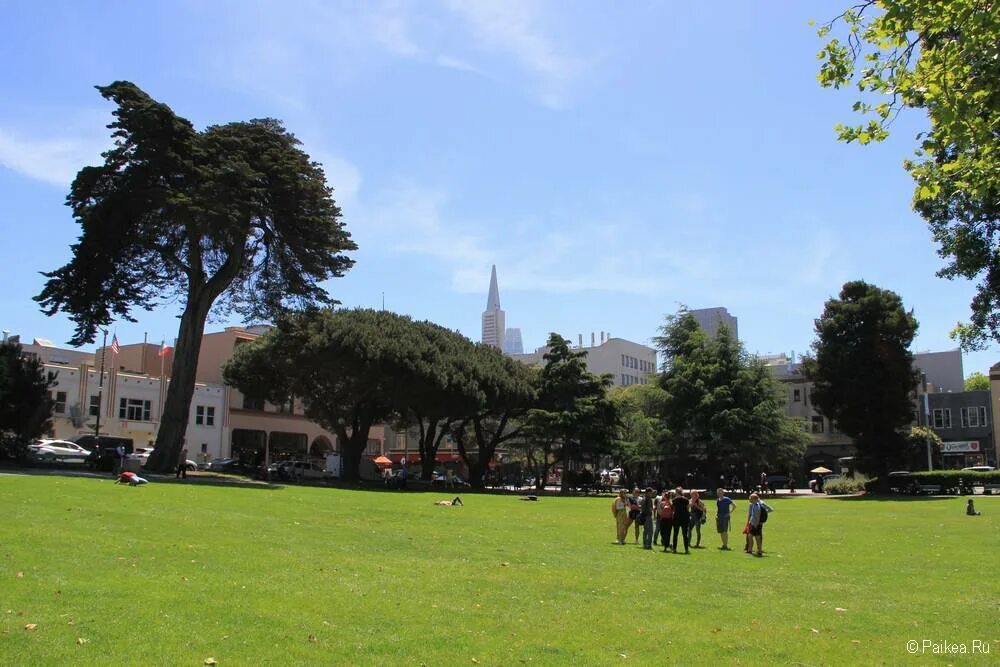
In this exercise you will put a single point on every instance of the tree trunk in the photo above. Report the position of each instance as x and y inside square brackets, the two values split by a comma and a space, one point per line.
[353, 445]
[180, 391]
[429, 442]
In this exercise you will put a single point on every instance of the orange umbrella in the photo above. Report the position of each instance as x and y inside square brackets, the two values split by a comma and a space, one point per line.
[382, 461]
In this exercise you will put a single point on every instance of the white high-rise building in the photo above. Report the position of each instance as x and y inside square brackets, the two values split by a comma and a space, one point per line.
[627, 362]
[494, 319]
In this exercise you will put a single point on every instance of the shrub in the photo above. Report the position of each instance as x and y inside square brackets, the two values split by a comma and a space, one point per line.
[840, 486]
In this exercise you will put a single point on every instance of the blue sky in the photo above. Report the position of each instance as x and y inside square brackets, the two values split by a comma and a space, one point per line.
[613, 161]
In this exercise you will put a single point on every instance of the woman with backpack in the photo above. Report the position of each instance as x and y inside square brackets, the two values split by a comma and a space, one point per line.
[698, 513]
[666, 519]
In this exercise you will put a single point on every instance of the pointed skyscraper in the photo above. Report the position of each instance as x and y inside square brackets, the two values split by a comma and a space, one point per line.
[494, 319]
[493, 300]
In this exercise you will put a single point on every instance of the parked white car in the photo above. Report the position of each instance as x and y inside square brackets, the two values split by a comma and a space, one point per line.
[142, 454]
[50, 451]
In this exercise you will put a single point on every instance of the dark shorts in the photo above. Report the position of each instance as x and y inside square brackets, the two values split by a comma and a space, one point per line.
[757, 530]
[722, 523]
[633, 514]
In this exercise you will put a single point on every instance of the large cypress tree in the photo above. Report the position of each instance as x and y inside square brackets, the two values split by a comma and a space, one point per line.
[234, 217]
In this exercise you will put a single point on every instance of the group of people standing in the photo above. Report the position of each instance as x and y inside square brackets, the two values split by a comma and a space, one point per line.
[673, 517]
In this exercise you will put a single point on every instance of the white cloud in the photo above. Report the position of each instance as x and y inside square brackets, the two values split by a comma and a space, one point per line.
[54, 160]
[604, 256]
[260, 44]
[514, 28]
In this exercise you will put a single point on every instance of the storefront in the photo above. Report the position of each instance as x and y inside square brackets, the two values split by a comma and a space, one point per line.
[962, 454]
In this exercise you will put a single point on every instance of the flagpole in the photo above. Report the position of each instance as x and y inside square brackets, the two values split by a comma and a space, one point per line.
[100, 387]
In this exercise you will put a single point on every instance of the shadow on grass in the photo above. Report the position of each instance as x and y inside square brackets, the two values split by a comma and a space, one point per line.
[896, 498]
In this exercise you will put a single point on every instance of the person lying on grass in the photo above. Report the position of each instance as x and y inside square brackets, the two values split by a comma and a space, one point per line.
[450, 503]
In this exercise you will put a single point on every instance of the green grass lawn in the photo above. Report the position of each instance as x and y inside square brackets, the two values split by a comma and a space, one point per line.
[174, 574]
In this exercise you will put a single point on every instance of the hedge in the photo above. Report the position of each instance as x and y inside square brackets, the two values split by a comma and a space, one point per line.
[951, 477]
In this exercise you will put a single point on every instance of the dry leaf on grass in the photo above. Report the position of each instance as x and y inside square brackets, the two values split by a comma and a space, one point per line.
[505, 564]
[31, 626]
[81, 641]
[20, 575]
[313, 639]
[210, 661]
[839, 609]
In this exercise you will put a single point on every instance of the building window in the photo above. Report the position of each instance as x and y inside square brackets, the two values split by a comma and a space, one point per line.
[204, 415]
[973, 416]
[58, 402]
[942, 418]
[623, 361]
[135, 410]
[253, 403]
[95, 406]
[374, 448]
[796, 395]
[817, 424]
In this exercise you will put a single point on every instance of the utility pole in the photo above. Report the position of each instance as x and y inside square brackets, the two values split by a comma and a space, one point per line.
[100, 387]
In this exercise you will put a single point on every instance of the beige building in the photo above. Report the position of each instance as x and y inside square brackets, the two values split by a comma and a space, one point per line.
[124, 402]
[627, 362]
[222, 422]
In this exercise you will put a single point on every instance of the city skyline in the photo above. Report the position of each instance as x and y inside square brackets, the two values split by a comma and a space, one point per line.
[610, 183]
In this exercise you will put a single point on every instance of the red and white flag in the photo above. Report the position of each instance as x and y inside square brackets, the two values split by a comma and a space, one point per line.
[115, 348]
[164, 348]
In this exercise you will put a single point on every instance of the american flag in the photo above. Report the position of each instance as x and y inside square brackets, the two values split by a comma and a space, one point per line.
[115, 348]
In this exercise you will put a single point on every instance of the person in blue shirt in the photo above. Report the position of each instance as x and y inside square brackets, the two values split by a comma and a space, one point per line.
[724, 510]
[755, 523]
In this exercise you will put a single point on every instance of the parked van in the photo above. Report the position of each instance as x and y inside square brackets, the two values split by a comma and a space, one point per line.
[102, 449]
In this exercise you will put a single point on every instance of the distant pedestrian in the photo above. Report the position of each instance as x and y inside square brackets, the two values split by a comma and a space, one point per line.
[634, 510]
[757, 517]
[970, 509]
[682, 521]
[724, 507]
[791, 484]
[646, 517]
[658, 504]
[619, 510]
[119, 460]
[666, 519]
[182, 464]
[697, 511]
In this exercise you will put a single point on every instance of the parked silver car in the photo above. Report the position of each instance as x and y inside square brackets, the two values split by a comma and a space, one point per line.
[50, 451]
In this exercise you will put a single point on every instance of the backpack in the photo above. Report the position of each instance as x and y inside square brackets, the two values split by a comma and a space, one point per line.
[763, 514]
